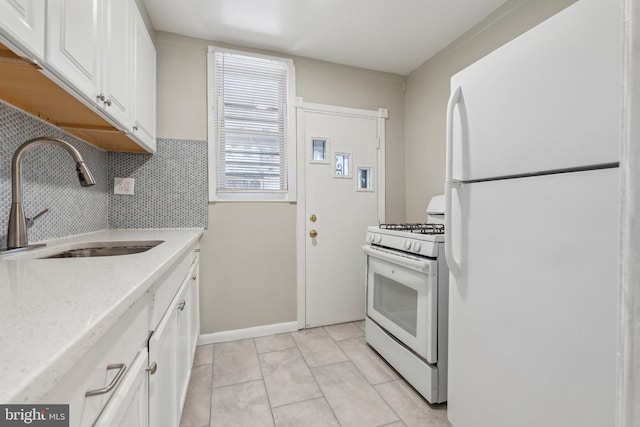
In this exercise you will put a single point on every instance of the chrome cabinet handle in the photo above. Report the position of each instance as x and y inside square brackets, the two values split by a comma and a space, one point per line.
[454, 265]
[122, 368]
[182, 304]
[135, 128]
[194, 277]
[108, 102]
[101, 97]
[152, 368]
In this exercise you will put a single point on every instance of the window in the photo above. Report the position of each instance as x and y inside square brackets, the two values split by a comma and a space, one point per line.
[250, 115]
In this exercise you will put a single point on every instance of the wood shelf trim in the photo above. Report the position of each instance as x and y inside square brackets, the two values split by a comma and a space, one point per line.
[24, 86]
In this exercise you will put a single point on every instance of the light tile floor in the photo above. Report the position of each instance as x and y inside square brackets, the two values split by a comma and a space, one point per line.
[315, 377]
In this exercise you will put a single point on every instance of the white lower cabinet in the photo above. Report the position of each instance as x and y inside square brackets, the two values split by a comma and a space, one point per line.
[129, 406]
[137, 375]
[171, 349]
[163, 384]
[92, 383]
[188, 330]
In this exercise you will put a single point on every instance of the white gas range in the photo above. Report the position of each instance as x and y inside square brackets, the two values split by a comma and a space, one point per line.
[407, 303]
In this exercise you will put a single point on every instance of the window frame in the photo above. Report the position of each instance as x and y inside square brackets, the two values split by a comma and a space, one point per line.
[290, 146]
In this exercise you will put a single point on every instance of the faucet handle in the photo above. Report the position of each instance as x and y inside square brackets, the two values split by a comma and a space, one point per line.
[30, 221]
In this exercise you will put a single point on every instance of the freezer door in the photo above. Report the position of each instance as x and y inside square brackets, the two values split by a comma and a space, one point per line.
[550, 99]
[533, 311]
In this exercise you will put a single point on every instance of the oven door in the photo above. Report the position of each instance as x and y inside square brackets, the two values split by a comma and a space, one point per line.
[402, 297]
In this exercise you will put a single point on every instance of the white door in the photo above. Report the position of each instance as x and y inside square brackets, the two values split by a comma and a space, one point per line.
[342, 189]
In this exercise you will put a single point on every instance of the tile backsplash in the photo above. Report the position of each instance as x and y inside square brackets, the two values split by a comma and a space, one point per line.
[170, 186]
[170, 190]
[49, 180]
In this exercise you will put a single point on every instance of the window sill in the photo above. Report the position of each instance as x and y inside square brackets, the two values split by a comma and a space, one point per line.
[216, 201]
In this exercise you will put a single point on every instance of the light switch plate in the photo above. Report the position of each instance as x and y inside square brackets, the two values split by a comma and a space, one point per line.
[123, 186]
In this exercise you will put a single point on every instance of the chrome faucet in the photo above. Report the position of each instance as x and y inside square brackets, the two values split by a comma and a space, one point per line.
[17, 234]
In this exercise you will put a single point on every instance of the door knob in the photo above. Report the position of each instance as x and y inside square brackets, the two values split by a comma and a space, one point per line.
[313, 233]
[313, 218]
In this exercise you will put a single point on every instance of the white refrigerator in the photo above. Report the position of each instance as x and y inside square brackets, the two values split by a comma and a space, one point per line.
[532, 210]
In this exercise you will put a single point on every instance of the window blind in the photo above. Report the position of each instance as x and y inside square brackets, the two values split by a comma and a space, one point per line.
[250, 114]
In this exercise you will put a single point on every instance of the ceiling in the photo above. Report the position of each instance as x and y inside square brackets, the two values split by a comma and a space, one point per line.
[395, 36]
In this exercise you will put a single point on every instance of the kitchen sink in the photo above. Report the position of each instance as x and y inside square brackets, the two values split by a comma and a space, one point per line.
[96, 249]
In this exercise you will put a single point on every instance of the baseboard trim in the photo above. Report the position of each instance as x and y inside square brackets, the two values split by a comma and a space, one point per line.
[255, 332]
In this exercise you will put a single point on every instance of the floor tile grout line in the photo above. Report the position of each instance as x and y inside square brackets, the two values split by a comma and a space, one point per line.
[310, 369]
[389, 404]
[300, 401]
[240, 383]
[264, 383]
[373, 387]
[213, 361]
[211, 387]
[335, 416]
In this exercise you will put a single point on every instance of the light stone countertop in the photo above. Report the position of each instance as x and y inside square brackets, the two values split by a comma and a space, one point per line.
[52, 311]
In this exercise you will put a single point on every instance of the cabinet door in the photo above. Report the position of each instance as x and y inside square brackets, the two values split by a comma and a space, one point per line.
[144, 69]
[195, 307]
[73, 43]
[185, 309]
[163, 386]
[117, 61]
[129, 406]
[22, 22]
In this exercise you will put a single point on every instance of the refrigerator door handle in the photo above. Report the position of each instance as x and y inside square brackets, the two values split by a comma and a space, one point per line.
[454, 266]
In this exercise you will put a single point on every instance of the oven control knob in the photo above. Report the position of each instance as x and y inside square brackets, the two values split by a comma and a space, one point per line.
[371, 237]
[377, 238]
[407, 244]
[417, 246]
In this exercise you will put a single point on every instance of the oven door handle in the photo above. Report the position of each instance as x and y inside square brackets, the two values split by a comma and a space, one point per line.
[414, 264]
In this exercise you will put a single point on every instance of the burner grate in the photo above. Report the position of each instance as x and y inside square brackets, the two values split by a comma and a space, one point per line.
[415, 228]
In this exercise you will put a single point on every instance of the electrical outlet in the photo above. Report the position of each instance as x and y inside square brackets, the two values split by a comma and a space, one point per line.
[123, 186]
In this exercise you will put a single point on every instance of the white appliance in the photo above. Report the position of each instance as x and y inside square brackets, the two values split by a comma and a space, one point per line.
[407, 293]
[532, 222]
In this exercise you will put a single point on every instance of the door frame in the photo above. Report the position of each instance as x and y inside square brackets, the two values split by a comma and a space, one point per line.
[301, 107]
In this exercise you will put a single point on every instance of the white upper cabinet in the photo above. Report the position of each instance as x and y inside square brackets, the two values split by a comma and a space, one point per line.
[100, 52]
[22, 24]
[73, 44]
[117, 59]
[89, 47]
[144, 97]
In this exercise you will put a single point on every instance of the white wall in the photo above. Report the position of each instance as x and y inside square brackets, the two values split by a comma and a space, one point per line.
[248, 271]
[428, 91]
[248, 252]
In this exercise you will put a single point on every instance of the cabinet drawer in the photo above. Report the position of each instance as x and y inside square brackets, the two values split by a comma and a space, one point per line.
[104, 365]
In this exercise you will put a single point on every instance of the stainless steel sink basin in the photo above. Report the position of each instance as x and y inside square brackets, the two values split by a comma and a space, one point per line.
[95, 249]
